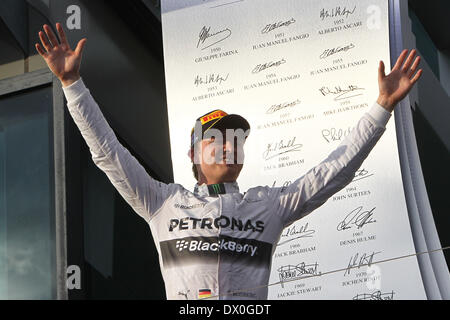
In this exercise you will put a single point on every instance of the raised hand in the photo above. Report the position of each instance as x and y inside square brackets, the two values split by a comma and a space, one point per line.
[60, 58]
[395, 86]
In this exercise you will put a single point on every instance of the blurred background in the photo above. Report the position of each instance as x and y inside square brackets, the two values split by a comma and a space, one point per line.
[58, 210]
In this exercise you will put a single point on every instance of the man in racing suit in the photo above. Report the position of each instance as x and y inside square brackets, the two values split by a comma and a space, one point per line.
[218, 241]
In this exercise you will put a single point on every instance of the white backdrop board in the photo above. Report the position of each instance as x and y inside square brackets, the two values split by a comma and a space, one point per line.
[302, 73]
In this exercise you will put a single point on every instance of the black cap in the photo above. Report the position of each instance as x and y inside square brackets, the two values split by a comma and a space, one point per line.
[219, 119]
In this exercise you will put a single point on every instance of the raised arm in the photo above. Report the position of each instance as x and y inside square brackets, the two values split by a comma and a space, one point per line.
[60, 58]
[338, 169]
[396, 86]
[144, 194]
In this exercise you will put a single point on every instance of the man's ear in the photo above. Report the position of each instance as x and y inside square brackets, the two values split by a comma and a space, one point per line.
[190, 154]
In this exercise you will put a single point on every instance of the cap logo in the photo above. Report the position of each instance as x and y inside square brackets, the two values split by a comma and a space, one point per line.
[213, 116]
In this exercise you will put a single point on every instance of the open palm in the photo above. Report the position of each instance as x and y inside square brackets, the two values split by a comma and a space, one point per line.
[395, 86]
[61, 59]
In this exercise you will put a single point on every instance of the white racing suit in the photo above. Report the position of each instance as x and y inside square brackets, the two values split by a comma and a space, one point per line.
[211, 244]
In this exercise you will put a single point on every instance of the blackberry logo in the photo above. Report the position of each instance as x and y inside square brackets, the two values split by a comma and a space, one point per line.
[218, 245]
[182, 244]
[194, 250]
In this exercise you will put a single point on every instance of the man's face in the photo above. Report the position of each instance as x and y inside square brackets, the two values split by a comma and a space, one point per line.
[220, 158]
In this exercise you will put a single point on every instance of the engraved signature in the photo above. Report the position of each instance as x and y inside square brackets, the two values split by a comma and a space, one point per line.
[273, 26]
[329, 52]
[358, 218]
[358, 261]
[267, 65]
[210, 78]
[297, 233]
[334, 134]
[342, 93]
[291, 272]
[361, 174]
[377, 295]
[337, 12]
[278, 148]
[206, 36]
[278, 107]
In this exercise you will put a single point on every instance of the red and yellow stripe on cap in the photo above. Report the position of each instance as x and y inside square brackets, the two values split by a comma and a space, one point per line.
[215, 115]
